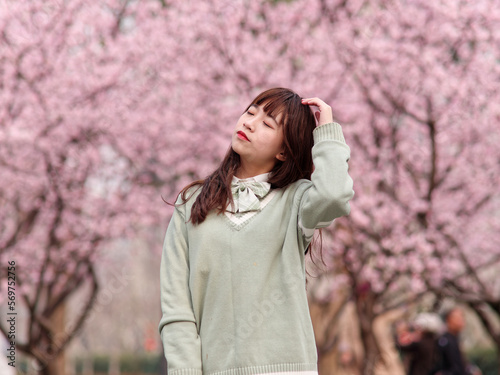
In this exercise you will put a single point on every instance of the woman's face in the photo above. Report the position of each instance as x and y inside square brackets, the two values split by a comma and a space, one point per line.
[258, 139]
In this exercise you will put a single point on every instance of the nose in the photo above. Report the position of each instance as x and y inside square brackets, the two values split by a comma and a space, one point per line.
[249, 124]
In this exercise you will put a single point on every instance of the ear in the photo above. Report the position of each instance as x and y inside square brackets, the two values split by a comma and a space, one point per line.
[281, 156]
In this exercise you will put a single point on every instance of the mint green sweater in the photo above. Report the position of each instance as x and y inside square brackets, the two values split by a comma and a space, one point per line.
[233, 296]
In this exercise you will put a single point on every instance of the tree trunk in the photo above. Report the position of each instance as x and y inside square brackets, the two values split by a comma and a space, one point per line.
[372, 354]
[364, 307]
[55, 365]
[389, 362]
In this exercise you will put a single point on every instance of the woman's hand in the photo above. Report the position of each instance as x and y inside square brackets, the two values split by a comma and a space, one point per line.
[323, 114]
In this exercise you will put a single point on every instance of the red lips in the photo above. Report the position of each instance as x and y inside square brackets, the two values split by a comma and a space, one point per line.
[242, 135]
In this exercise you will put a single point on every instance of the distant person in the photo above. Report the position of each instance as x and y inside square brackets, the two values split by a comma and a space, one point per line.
[418, 342]
[233, 290]
[450, 360]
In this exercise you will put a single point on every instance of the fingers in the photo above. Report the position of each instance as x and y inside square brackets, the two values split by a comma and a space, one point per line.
[324, 116]
[313, 101]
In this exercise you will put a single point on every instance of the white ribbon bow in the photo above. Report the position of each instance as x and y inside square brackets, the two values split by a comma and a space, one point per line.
[247, 195]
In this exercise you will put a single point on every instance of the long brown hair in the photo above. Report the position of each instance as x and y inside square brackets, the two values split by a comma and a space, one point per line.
[297, 122]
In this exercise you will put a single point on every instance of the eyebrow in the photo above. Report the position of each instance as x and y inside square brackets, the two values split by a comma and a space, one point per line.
[267, 114]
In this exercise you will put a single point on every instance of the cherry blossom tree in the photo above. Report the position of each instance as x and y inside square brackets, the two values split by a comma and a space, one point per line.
[65, 188]
[426, 214]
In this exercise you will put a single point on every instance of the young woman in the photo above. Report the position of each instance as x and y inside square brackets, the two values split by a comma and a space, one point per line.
[233, 272]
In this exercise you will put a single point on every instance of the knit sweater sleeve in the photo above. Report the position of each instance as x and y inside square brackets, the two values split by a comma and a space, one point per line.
[179, 333]
[327, 196]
